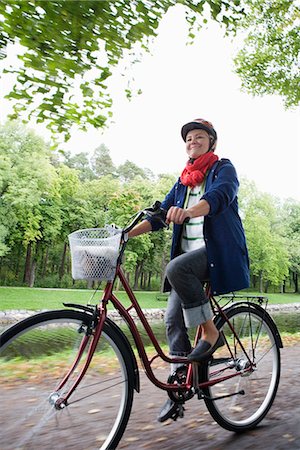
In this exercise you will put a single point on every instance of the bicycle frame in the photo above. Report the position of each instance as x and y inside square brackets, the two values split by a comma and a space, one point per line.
[124, 312]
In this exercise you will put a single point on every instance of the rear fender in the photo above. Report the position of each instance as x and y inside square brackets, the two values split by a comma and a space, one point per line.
[266, 315]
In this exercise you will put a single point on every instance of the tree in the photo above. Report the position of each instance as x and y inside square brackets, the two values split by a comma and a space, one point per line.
[67, 47]
[102, 163]
[269, 259]
[268, 62]
[28, 191]
[80, 162]
[75, 210]
[291, 220]
[129, 170]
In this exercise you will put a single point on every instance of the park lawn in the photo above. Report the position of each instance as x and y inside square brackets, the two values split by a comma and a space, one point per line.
[39, 298]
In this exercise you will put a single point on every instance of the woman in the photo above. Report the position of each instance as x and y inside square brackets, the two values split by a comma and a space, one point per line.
[211, 245]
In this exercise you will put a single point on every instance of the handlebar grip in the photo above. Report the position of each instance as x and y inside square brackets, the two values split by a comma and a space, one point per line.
[156, 205]
[186, 220]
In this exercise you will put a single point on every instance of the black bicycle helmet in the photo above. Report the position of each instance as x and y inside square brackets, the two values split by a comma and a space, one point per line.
[201, 124]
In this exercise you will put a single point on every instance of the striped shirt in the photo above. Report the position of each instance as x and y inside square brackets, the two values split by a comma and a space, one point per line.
[192, 234]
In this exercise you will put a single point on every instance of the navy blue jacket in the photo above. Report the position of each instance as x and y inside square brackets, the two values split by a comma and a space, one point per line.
[223, 231]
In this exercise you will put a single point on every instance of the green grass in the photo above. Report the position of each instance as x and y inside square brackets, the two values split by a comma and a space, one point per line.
[38, 298]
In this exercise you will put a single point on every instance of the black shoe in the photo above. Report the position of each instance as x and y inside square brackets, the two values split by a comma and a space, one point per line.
[170, 410]
[204, 350]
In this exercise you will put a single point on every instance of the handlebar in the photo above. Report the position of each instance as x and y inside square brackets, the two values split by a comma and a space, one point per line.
[160, 214]
[155, 211]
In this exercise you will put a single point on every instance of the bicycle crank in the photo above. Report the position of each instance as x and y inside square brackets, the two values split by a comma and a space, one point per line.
[179, 377]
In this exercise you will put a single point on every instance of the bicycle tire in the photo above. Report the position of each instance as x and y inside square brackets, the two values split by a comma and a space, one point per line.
[240, 411]
[35, 354]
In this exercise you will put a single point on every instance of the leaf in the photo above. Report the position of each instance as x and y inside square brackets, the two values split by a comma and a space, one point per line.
[62, 44]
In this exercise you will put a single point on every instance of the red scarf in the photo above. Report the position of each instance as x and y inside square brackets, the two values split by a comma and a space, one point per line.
[195, 170]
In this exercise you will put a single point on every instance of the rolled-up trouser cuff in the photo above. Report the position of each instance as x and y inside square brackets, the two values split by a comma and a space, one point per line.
[197, 315]
[178, 354]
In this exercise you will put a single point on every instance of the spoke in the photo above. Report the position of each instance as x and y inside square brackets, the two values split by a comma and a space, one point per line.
[265, 353]
[85, 386]
[96, 392]
[36, 428]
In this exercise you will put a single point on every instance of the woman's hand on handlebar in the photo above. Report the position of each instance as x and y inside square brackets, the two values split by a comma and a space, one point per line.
[177, 215]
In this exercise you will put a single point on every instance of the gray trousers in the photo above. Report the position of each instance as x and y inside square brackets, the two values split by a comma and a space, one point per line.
[187, 303]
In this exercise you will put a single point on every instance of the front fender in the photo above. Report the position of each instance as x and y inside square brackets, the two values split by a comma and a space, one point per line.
[133, 363]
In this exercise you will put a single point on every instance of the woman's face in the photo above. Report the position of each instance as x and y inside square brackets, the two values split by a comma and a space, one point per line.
[197, 143]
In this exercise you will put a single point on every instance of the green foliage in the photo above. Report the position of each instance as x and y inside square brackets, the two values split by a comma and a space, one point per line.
[67, 47]
[268, 63]
[28, 183]
[101, 162]
[267, 243]
[291, 222]
[42, 202]
[67, 51]
[129, 170]
[81, 162]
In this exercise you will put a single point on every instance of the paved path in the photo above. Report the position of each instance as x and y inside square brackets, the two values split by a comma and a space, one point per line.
[280, 430]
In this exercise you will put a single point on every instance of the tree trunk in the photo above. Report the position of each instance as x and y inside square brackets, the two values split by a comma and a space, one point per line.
[26, 277]
[90, 284]
[45, 262]
[266, 286]
[261, 282]
[33, 266]
[18, 258]
[136, 278]
[295, 280]
[162, 272]
[138, 270]
[143, 280]
[149, 281]
[63, 260]
[32, 273]
[283, 287]
[254, 281]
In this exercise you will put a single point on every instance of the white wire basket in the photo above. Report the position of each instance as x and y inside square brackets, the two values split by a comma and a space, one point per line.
[94, 253]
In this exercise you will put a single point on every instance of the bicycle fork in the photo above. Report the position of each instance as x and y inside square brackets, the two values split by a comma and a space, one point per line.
[60, 402]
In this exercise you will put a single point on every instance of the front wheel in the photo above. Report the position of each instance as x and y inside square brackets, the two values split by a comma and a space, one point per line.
[35, 354]
[241, 402]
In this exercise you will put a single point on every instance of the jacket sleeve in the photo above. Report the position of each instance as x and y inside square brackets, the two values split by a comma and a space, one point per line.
[222, 190]
[166, 204]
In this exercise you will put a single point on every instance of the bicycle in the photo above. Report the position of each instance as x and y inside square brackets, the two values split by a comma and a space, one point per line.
[60, 366]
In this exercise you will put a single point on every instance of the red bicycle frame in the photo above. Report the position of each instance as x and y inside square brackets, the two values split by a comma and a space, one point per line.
[125, 314]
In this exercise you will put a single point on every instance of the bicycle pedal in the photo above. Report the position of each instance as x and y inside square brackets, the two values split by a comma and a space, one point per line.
[178, 413]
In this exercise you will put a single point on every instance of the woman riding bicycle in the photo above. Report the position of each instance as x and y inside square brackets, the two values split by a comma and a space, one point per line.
[208, 243]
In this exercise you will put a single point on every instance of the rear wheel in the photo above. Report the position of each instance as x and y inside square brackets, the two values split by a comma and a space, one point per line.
[35, 355]
[241, 402]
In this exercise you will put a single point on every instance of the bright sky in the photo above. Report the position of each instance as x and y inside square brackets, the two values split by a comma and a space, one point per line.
[180, 83]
